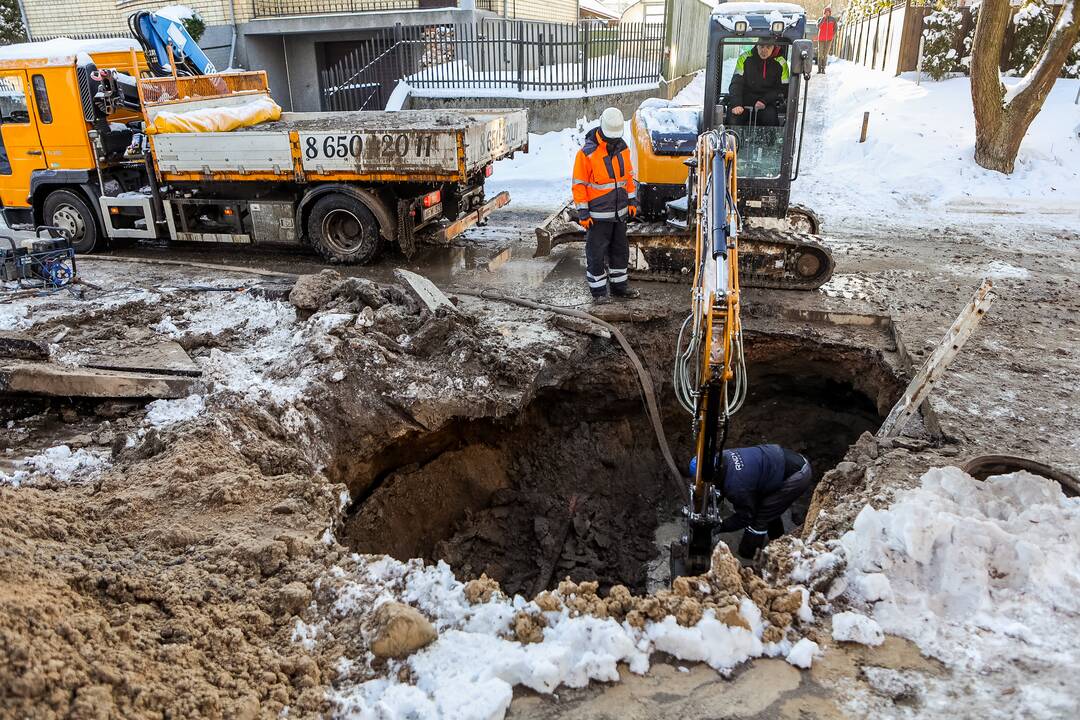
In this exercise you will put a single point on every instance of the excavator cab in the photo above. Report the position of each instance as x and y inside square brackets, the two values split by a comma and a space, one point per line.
[769, 138]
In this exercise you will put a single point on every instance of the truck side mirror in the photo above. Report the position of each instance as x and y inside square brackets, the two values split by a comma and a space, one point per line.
[802, 52]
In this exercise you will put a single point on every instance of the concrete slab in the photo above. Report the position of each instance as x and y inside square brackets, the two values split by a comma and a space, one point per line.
[159, 358]
[424, 290]
[58, 381]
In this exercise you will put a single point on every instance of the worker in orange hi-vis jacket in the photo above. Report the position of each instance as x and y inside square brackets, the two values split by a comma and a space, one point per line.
[605, 196]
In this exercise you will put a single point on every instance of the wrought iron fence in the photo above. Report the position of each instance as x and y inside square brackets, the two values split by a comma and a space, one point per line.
[493, 56]
[279, 8]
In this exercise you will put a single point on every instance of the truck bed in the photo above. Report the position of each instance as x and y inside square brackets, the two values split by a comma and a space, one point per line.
[410, 145]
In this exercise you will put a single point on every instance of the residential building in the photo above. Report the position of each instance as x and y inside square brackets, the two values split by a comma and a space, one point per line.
[295, 41]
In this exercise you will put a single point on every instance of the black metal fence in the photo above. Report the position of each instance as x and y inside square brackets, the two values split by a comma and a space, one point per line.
[512, 56]
[278, 8]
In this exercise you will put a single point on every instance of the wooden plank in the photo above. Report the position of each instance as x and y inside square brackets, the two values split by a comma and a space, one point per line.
[934, 367]
[58, 381]
[161, 358]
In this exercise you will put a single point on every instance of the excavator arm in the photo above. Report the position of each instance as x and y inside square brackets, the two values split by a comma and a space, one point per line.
[709, 367]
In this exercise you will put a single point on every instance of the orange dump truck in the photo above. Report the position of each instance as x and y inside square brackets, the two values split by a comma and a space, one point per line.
[154, 161]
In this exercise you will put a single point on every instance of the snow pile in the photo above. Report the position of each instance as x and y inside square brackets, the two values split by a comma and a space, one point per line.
[853, 627]
[162, 413]
[923, 136]
[540, 178]
[662, 116]
[488, 643]
[268, 365]
[60, 463]
[982, 575]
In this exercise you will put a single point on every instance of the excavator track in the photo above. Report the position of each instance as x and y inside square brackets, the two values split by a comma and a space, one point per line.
[768, 258]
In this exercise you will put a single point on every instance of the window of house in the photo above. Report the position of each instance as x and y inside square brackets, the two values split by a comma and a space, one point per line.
[13, 106]
[41, 97]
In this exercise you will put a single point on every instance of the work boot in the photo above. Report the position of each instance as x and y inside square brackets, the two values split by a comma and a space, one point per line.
[601, 300]
[752, 541]
[627, 294]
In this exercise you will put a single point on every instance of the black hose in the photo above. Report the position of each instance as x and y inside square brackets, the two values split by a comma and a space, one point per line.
[651, 406]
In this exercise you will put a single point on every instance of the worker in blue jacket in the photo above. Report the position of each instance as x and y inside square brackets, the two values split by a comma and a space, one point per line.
[760, 482]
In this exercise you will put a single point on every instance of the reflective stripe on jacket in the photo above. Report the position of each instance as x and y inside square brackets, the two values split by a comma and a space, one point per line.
[603, 179]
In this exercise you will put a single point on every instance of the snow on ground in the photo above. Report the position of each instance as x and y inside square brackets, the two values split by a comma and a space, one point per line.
[60, 463]
[984, 576]
[540, 178]
[267, 365]
[917, 164]
[470, 671]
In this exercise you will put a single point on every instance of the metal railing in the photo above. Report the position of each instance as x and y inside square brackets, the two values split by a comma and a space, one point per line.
[281, 8]
[511, 56]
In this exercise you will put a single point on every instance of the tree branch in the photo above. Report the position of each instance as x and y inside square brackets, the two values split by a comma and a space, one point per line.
[1038, 81]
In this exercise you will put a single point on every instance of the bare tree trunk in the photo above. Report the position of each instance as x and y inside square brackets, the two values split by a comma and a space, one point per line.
[1002, 119]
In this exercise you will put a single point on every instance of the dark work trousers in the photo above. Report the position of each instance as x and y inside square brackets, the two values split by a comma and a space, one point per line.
[772, 506]
[765, 116]
[607, 256]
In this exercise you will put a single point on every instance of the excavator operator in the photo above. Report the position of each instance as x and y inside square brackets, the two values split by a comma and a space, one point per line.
[760, 80]
[760, 482]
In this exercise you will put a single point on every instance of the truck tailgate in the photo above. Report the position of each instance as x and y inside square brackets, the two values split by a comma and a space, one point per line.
[494, 136]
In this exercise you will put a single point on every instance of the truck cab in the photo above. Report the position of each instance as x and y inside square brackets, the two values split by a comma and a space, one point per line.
[47, 163]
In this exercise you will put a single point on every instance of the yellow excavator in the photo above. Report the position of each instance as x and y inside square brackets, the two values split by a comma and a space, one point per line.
[779, 247]
[709, 375]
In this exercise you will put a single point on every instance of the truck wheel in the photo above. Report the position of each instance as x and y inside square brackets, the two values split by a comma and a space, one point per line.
[343, 230]
[69, 212]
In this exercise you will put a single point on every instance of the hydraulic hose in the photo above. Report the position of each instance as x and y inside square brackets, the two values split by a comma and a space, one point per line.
[651, 407]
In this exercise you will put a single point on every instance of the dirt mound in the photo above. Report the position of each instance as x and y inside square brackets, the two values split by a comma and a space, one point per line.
[172, 585]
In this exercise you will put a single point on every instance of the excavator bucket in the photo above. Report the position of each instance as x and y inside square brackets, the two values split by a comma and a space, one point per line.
[768, 258]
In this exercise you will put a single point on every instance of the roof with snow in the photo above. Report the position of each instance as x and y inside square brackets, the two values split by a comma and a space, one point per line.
[757, 8]
[595, 7]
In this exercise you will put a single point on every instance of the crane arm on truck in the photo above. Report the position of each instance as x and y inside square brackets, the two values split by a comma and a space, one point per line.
[157, 34]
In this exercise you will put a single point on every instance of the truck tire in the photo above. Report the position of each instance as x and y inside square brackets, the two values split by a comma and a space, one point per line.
[69, 211]
[343, 230]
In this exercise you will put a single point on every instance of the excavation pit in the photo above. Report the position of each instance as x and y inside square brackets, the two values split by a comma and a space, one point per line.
[575, 484]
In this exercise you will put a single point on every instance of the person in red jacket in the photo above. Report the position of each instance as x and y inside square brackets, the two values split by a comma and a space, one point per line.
[825, 34]
[605, 196]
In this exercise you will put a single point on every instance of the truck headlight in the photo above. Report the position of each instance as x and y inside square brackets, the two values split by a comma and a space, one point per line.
[778, 26]
[740, 26]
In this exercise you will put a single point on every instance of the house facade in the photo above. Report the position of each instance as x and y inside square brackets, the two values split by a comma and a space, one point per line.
[295, 41]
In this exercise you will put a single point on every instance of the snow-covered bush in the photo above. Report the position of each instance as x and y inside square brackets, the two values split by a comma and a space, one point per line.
[1072, 64]
[969, 38]
[1031, 27]
[940, 31]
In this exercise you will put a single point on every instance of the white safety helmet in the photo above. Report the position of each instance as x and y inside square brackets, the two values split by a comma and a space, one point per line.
[611, 123]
